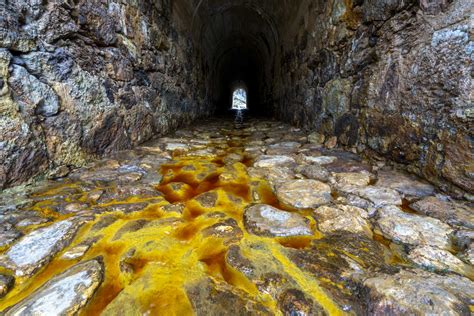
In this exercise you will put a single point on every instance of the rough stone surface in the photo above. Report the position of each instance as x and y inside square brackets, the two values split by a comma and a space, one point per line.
[315, 172]
[343, 218]
[304, 194]
[265, 220]
[64, 294]
[102, 79]
[435, 259]
[387, 77]
[38, 247]
[413, 229]
[407, 185]
[448, 212]
[418, 292]
[379, 196]
[209, 298]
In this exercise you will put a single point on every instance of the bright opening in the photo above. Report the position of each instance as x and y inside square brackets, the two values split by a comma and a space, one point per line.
[239, 99]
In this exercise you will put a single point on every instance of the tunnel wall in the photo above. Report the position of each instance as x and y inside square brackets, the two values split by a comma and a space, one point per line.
[83, 78]
[391, 79]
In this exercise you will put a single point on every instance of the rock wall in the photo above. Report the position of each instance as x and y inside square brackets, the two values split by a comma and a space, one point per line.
[391, 78]
[84, 78]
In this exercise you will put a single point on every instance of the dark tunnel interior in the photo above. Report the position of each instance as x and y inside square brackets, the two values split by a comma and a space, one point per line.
[239, 42]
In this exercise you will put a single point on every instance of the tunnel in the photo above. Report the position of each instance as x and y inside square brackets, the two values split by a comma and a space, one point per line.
[240, 41]
[236, 157]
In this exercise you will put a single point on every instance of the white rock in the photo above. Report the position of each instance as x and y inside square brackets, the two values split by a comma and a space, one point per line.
[38, 247]
[64, 294]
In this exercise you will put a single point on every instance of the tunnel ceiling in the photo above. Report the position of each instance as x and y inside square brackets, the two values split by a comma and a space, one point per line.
[238, 40]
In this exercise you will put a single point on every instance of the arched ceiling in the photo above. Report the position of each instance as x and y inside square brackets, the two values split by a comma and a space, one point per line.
[238, 40]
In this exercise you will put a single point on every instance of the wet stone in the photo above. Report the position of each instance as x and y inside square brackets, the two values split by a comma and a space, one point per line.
[304, 194]
[419, 293]
[413, 229]
[38, 247]
[207, 199]
[175, 207]
[210, 298]
[435, 259]
[125, 208]
[6, 284]
[8, 234]
[65, 294]
[130, 227]
[103, 222]
[265, 220]
[340, 262]
[228, 229]
[79, 250]
[32, 221]
[295, 302]
[343, 218]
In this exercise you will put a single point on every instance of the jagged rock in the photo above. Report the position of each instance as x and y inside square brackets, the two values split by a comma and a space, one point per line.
[407, 185]
[343, 218]
[418, 292]
[435, 259]
[265, 220]
[37, 248]
[65, 294]
[304, 194]
[449, 212]
[413, 229]
[34, 96]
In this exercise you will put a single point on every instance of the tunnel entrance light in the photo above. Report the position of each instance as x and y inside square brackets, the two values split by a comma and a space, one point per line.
[239, 99]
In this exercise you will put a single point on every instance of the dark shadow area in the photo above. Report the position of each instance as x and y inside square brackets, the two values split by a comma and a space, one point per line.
[238, 41]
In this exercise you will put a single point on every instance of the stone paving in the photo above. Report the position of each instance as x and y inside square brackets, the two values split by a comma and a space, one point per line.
[213, 220]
